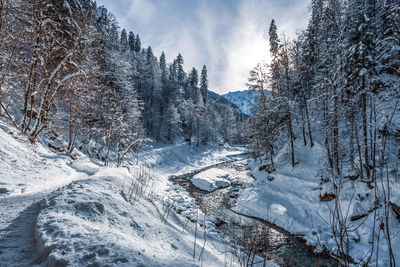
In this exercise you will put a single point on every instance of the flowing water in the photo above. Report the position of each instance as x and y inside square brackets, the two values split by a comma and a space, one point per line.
[251, 234]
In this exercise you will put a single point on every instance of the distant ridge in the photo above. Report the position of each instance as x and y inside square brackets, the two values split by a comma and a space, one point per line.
[242, 99]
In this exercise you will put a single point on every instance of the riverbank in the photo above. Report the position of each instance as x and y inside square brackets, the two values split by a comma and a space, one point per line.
[293, 198]
[249, 234]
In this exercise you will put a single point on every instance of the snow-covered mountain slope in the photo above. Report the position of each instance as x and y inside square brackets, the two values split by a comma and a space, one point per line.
[242, 99]
[216, 98]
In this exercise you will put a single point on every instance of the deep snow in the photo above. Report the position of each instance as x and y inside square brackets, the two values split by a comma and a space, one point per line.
[27, 168]
[89, 220]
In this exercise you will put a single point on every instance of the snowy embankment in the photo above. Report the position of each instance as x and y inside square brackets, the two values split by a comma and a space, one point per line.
[29, 169]
[290, 198]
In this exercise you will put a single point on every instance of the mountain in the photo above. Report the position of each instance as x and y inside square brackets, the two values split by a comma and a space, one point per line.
[216, 98]
[242, 99]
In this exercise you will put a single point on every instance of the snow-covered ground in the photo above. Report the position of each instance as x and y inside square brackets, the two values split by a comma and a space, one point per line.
[92, 220]
[27, 174]
[164, 161]
[29, 169]
[290, 198]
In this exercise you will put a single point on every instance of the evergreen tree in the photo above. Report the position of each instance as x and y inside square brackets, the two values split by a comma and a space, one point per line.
[123, 41]
[180, 71]
[138, 44]
[204, 84]
[194, 78]
[163, 68]
[131, 41]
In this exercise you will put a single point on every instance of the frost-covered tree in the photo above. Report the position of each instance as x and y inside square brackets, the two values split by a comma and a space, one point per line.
[131, 41]
[138, 44]
[204, 84]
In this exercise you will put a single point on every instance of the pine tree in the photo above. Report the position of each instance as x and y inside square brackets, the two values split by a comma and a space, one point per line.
[359, 68]
[131, 41]
[163, 68]
[123, 41]
[281, 83]
[204, 84]
[274, 52]
[180, 71]
[194, 78]
[138, 44]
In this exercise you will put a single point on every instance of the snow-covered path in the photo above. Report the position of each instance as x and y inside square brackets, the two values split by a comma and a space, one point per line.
[27, 174]
[18, 215]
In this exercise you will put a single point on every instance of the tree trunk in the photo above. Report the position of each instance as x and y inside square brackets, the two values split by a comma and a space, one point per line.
[30, 76]
[70, 128]
[291, 135]
[308, 122]
[303, 130]
[359, 156]
[108, 149]
[336, 132]
[365, 132]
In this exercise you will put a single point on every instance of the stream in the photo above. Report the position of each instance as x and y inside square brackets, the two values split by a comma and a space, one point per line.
[272, 242]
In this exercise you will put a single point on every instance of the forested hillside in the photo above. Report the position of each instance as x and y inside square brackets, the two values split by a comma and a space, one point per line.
[339, 81]
[337, 84]
[245, 100]
[68, 69]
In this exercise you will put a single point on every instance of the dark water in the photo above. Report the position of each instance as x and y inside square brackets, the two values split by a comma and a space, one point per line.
[251, 234]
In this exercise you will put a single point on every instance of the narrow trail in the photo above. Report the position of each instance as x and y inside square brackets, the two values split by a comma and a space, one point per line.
[18, 215]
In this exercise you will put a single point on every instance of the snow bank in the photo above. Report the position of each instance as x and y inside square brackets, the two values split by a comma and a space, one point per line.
[212, 179]
[90, 222]
[27, 168]
[85, 165]
[290, 198]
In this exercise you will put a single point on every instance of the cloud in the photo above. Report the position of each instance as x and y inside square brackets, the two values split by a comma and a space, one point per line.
[230, 37]
[249, 42]
[144, 10]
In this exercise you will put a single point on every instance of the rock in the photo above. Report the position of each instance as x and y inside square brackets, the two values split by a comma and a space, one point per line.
[396, 210]
[352, 175]
[4, 191]
[327, 197]
[357, 217]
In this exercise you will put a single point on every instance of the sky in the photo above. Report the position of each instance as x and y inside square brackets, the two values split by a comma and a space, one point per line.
[228, 36]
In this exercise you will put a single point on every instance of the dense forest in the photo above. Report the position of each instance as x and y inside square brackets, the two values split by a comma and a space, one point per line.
[68, 69]
[336, 84]
[338, 81]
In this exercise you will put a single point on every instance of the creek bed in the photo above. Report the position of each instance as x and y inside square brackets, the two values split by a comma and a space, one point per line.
[273, 243]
